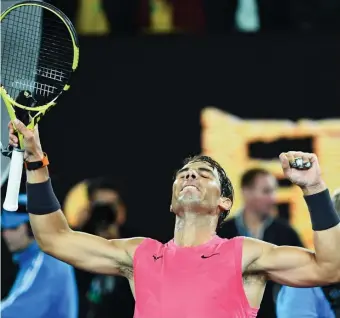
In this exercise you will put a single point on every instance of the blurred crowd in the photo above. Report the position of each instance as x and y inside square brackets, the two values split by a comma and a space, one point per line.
[130, 17]
[103, 213]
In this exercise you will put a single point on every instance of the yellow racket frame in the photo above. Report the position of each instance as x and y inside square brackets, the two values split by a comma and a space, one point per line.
[7, 98]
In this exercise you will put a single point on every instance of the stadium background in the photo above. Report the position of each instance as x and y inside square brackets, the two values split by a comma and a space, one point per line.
[140, 104]
[152, 92]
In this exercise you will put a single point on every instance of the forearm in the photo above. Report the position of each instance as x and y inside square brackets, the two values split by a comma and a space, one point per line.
[37, 176]
[326, 229]
[45, 227]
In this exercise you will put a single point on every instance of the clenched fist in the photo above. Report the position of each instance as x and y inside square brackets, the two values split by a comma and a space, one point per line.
[303, 169]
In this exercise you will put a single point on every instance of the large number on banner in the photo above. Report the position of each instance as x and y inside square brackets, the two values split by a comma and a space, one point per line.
[226, 138]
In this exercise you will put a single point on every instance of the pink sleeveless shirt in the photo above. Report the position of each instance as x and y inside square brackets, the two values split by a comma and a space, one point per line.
[190, 282]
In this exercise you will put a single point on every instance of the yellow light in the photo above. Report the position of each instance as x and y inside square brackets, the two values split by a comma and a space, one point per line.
[226, 138]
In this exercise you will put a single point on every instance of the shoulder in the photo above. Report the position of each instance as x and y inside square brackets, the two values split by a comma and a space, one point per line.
[250, 243]
[147, 243]
[253, 249]
[131, 245]
[146, 247]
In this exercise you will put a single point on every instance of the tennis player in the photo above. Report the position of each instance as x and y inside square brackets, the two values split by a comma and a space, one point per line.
[197, 274]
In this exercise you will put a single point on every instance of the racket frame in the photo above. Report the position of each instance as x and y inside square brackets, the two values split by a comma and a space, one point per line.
[75, 44]
[16, 164]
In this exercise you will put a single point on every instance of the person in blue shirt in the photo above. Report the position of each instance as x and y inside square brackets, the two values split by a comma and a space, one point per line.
[44, 286]
[314, 302]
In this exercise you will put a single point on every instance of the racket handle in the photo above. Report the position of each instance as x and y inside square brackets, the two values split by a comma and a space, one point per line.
[14, 181]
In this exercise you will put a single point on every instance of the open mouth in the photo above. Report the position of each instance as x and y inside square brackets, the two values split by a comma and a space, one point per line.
[190, 186]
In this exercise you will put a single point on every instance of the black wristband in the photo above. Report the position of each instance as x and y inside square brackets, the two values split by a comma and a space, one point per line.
[322, 211]
[41, 198]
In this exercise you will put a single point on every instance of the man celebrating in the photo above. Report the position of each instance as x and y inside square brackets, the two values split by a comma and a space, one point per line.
[197, 274]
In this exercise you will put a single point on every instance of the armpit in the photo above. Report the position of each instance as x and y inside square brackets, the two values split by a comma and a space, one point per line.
[126, 271]
[254, 279]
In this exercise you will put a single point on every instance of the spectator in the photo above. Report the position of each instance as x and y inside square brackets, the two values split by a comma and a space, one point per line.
[311, 302]
[29, 296]
[255, 220]
[102, 295]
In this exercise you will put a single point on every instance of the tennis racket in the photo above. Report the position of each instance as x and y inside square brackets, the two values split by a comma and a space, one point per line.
[39, 53]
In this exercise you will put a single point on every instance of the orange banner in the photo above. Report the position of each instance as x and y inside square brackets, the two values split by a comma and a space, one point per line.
[226, 138]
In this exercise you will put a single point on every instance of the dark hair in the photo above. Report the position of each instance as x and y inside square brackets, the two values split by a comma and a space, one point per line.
[227, 189]
[248, 177]
[101, 183]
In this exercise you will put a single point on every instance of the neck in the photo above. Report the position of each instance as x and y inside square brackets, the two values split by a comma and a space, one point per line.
[194, 229]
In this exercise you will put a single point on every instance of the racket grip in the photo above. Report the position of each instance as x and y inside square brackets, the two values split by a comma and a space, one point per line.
[14, 181]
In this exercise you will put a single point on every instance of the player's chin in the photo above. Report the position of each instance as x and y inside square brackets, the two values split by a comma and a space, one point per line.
[187, 197]
[191, 204]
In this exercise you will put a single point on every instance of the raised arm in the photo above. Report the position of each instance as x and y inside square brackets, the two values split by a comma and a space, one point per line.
[300, 267]
[51, 229]
[82, 250]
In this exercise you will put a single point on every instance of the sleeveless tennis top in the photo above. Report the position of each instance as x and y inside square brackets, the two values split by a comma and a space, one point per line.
[204, 281]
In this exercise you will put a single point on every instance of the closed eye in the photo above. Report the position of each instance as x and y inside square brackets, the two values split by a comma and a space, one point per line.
[204, 172]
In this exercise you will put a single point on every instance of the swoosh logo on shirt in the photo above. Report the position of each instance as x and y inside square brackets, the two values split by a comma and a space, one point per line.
[204, 256]
[155, 257]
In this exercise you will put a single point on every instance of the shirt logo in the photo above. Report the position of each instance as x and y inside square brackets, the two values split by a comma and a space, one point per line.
[155, 257]
[208, 256]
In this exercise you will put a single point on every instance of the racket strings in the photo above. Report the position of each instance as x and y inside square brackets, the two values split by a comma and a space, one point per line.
[37, 53]
[66, 65]
[7, 58]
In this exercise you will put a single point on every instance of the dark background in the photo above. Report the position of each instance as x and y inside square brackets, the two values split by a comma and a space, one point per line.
[133, 110]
